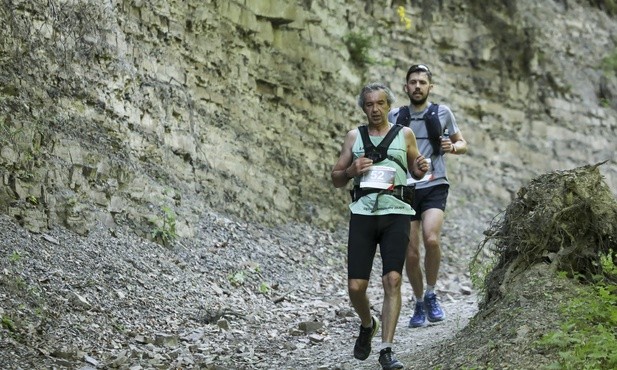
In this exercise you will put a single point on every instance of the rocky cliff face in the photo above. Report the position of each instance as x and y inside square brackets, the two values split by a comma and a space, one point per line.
[147, 112]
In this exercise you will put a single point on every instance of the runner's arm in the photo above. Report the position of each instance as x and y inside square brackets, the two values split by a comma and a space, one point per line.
[342, 171]
[415, 161]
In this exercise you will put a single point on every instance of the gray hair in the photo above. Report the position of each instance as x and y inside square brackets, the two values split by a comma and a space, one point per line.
[376, 86]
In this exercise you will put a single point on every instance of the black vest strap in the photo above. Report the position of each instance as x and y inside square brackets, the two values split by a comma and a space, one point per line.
[377, 154]
[431, 120]
[380, 152]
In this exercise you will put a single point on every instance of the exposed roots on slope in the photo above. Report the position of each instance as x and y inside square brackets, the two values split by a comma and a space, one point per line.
[566, 219]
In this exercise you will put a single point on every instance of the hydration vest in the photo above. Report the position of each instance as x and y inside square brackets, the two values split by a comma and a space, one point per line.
[431, 120]
[377, 154]
[380, 152]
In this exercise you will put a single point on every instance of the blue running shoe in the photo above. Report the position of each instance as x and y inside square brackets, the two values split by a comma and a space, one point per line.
[419, 317]
[388, 361]
[433, 310]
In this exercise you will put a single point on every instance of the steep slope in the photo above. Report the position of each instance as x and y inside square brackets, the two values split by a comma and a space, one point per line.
[130, 106]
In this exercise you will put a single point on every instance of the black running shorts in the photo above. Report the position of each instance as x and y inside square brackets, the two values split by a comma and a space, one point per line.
[427, 198]
[391, 232]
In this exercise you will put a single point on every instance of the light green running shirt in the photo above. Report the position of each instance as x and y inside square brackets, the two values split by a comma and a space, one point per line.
[387, 204]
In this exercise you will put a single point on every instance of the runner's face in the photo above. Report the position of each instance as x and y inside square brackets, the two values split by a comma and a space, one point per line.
[376, 107]
[418, 88]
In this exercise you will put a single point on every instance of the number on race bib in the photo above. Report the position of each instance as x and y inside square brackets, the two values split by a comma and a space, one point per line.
[378, 177]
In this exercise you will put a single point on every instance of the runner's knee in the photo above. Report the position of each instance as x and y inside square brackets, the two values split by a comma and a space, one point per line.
[431, 241]
[392, 281]
[413, 256]
[355, 286]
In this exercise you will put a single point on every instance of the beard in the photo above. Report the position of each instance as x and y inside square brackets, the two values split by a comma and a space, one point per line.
[415, 101]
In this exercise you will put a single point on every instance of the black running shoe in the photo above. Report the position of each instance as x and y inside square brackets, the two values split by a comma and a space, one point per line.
[362, 349]
[388, 361]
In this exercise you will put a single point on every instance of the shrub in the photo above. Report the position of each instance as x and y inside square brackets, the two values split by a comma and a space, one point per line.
[358, 46]
[587, 338]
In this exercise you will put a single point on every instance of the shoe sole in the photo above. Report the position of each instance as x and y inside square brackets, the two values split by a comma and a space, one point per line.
[393, 367]
[376, 327]
[417, 326]
[436, 320]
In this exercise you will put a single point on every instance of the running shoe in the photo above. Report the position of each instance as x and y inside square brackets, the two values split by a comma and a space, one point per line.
[362, 349]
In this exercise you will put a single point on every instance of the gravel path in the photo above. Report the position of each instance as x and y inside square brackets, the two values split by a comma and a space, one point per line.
[237, 296]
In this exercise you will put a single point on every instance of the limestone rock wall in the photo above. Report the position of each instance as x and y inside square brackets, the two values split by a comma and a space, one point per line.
[147, 112]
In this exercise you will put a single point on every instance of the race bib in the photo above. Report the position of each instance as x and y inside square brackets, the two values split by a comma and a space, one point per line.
[378, 177]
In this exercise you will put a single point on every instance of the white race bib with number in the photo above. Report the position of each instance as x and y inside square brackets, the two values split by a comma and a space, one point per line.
[378, 177]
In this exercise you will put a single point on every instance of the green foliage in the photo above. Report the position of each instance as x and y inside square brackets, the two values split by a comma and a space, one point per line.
[481, 264]
[15, 257]
[609, 63]
[359, 45]
[607, 262]
[264, 288]
[32, 200]
[8, 323]
[24, 139]
[238, 278]
[250, 273]
[609, 6]
[478, 273]
[165, 232]
[587, 339]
